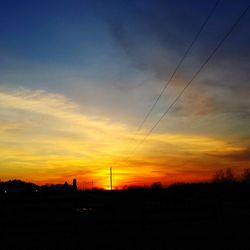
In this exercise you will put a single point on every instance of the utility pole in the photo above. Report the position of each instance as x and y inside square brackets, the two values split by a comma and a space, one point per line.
[110, 174]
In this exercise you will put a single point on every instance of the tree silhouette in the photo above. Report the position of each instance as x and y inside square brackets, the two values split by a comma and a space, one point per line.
[245, 177]
[219, 176]
[230, 176]
[157, 185]
[224, 176]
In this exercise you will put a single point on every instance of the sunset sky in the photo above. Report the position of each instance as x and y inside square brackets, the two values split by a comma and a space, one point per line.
[78, 77]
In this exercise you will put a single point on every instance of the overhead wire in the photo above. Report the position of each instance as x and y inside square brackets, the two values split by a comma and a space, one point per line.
[231, 29]
[187, 51]
[179, 64]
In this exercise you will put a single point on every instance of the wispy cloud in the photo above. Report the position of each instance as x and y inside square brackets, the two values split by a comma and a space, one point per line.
[236, 156]
[46, 136]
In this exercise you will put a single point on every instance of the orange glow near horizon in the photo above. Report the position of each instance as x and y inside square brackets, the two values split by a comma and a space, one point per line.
[46, 139]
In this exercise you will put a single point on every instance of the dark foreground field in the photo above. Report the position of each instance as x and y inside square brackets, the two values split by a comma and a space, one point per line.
[201, 216]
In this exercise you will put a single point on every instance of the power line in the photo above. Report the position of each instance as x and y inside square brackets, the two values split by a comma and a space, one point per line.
[179, 64]
[190, 46]
[176, 69]
[195, 75]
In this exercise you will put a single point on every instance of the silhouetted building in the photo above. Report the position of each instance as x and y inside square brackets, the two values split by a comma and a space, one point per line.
[74, 184]
[64, 187]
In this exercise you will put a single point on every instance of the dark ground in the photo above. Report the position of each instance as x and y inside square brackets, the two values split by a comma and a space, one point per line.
[197, 216]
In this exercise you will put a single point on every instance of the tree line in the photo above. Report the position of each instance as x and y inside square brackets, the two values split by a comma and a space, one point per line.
[228, 175]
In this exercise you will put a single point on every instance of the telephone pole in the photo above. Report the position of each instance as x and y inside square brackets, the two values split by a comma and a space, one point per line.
[110, 176]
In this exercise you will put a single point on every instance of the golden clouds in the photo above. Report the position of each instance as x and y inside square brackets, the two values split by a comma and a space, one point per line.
[46, 137]
[194, 143]
[45, 130]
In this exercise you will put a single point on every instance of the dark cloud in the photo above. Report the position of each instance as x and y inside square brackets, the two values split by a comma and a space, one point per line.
[243, 155]
[208, 97]
[155, 35]
[140, 53]
[154, 40]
